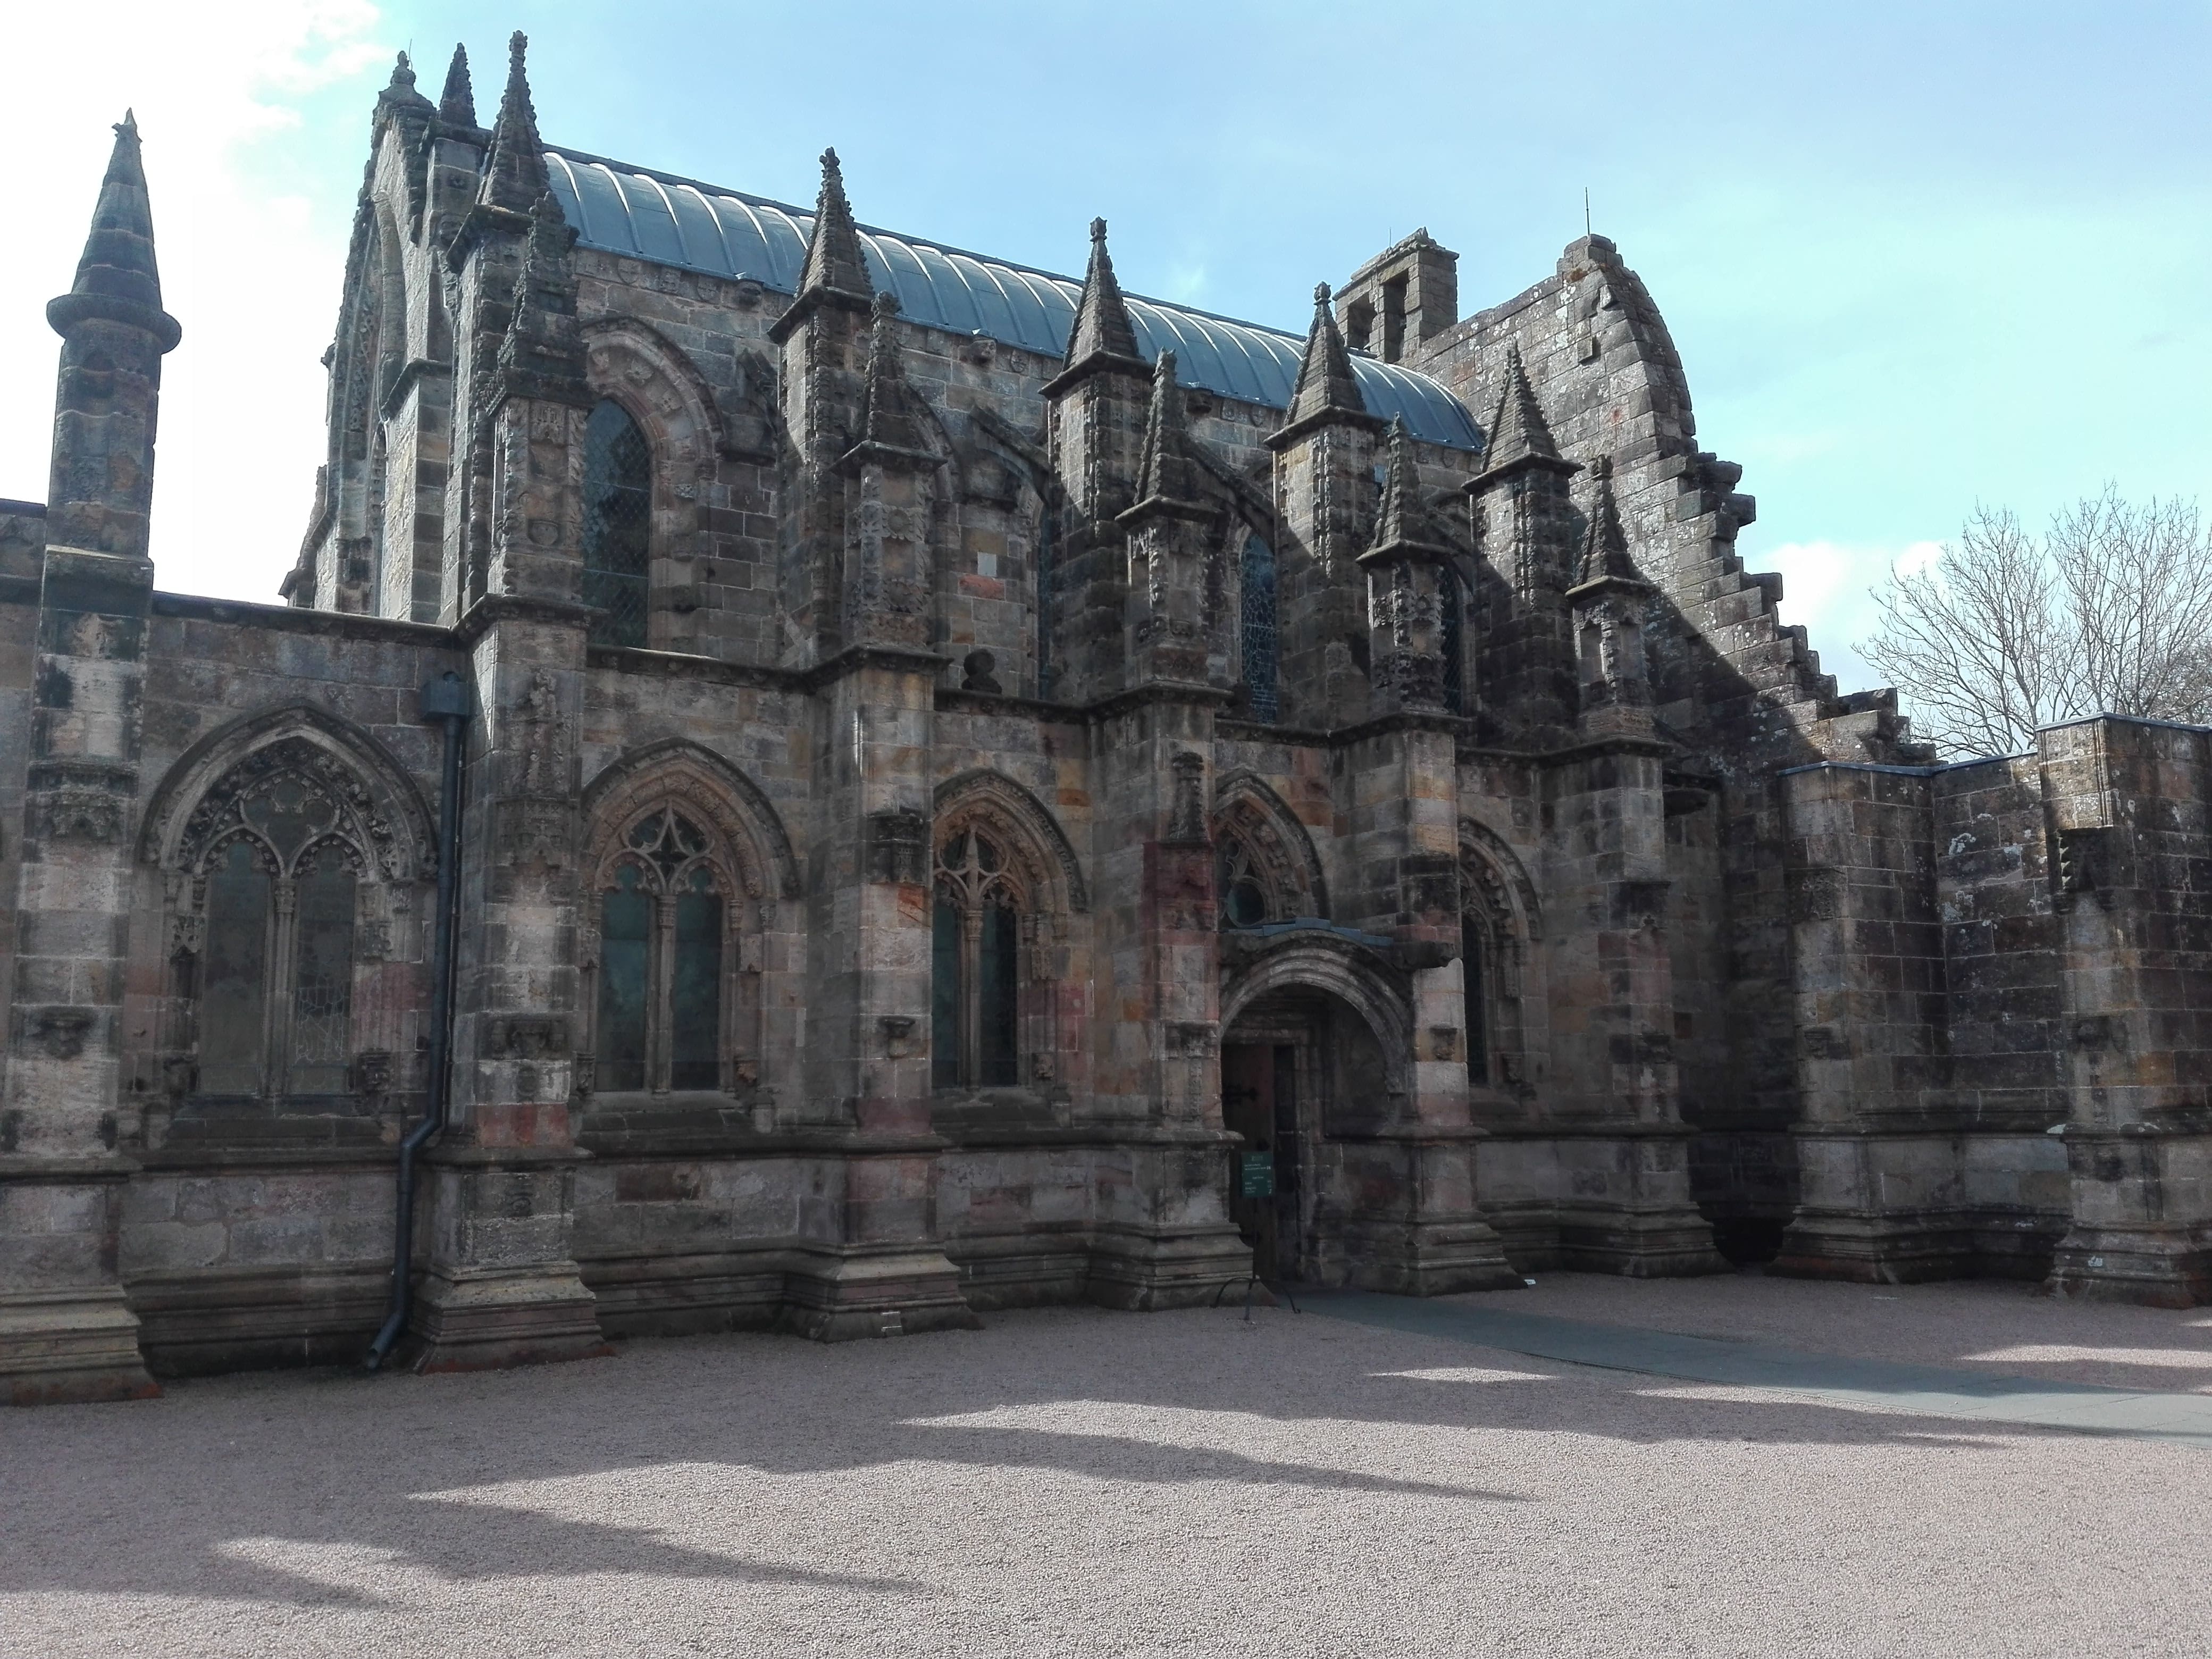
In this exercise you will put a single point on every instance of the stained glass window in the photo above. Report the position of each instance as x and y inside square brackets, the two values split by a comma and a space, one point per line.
[695, 995]
[625, 940]
[1477, 1008]
[322, 1000]
[996, 979]
[617, 524]
[1454, 642]
[945, 994]
[1258, 567]
[663, 955]
[234, 976]
[975, 968]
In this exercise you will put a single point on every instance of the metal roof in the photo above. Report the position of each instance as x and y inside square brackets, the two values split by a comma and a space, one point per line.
[624, 210]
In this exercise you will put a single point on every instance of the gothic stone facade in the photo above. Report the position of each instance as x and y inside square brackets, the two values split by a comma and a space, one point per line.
[977, 789]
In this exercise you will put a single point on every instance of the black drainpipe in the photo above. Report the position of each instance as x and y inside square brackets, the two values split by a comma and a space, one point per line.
[445, 699]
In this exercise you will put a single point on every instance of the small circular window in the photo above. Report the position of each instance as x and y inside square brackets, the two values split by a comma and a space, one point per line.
[1244, 904]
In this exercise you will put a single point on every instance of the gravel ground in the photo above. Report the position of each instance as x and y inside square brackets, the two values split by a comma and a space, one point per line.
[1073, 1482]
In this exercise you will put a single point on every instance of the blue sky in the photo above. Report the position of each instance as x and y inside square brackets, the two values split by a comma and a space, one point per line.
[1914, 256]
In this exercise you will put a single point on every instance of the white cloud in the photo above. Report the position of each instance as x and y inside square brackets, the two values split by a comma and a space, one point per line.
[1826, 588]
[225, 96]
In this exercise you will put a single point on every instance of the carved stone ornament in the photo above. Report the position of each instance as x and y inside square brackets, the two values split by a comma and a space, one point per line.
[898, 848]
[61, 1032]
[584, 1078]
[1187, 810]
[526, 1036]
[373, 1071]
[898, 1031]
[544, 738]
[1444, 1042]
[533, 833]
[1192, 1039]
[85, 814]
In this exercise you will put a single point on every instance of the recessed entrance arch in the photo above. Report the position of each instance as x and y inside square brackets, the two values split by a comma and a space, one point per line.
[1308, 1072]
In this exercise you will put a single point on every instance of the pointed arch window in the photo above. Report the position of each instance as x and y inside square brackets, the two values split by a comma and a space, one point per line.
[273, 983]
[617, 523]
[661, 1007]
[1256, 568]
[975, 967]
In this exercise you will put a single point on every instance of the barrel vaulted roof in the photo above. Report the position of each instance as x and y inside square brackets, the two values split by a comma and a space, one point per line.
[624, 210]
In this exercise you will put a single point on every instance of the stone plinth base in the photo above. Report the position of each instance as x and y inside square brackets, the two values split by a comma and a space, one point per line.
[2155, 1266]
[1423, 1258]
[1143, 1270]
[1874, 1249]
[486, 1318]
[1667, 1242]
[65, 1347]
[842, 1296]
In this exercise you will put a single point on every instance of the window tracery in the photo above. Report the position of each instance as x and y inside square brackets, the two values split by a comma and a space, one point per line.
[288, 882]
[663, 1009]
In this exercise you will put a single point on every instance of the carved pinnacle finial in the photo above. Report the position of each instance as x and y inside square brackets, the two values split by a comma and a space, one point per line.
[1102, 327]
[1166, 472]
[1518, 431]
[1325, 380]
[1605, 551]
[457, 104]
[834, 258]
[514, 169]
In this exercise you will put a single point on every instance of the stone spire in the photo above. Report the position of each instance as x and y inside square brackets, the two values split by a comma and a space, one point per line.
[457, 104]
[514, 167]
[1605, 551]
[834, 259]
[1518, 431]
[891, 423]
[107, 396]
[117, 278]
[1168, 471]
[1402, 527]
[1325, 383]
[1102, 327]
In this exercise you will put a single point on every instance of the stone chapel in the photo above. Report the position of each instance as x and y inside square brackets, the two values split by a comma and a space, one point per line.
[806, 777]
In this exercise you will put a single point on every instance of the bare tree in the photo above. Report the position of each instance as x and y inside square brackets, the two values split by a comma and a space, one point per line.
[2109, 613]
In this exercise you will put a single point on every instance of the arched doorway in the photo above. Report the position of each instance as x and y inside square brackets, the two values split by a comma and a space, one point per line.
[1303, 1080]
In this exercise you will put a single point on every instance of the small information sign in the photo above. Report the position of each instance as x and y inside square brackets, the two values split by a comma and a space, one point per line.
[1256, 1174]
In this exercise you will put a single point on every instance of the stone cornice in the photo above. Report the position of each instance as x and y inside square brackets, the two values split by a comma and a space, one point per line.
[495, 608]
[298, 619]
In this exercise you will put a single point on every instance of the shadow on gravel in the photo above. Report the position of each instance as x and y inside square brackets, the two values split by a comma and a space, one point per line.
[399, 1474]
